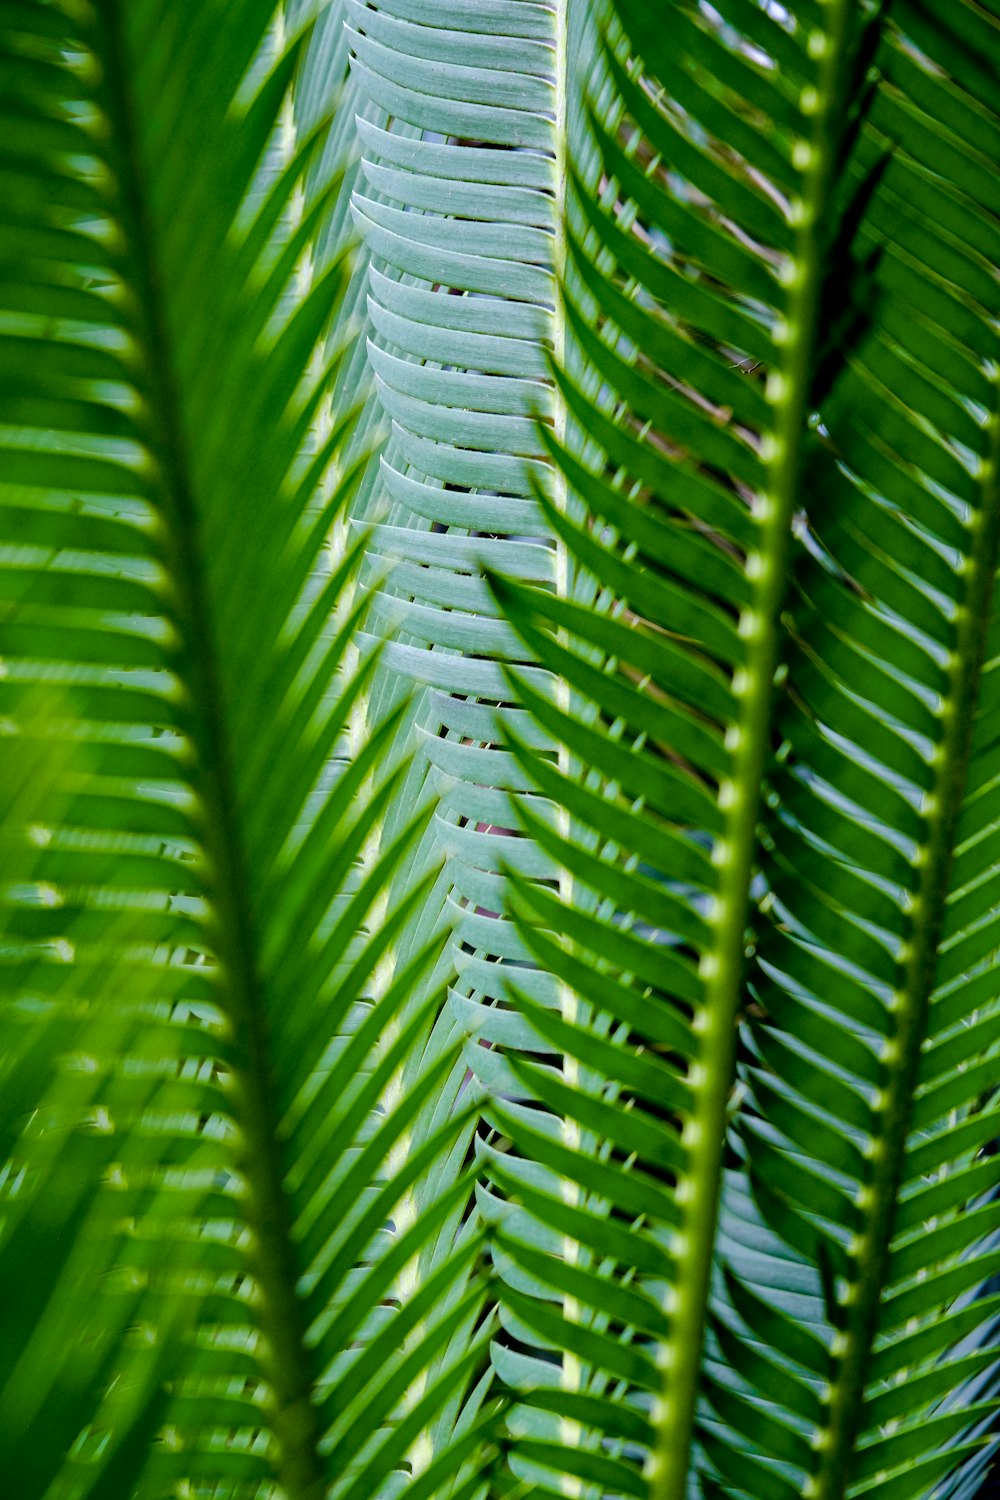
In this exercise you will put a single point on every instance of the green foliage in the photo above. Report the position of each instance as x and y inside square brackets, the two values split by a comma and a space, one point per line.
[499, 512]
[172, 473]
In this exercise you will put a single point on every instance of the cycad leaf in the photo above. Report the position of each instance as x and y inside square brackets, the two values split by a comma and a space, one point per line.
[460, 206]
[186, 494]
[879, 850]
[707, 277]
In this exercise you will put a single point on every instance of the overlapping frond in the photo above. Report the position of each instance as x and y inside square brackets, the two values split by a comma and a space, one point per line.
[874, 1075]
[714, 275]
[172, 468]
[462, 139]
[903, 578]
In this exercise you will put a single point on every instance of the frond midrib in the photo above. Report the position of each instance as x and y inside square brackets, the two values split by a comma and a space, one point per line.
[232, 927]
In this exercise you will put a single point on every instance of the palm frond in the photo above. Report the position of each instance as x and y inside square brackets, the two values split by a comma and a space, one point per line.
[713, 275]
[879, 850]
[461, 209]
[456, 1419]
[461, 228]
[169, 486]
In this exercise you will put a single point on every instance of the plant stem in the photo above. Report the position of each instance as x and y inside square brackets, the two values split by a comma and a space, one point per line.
[748, 740]
[267, 1209]
[911, 1001]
